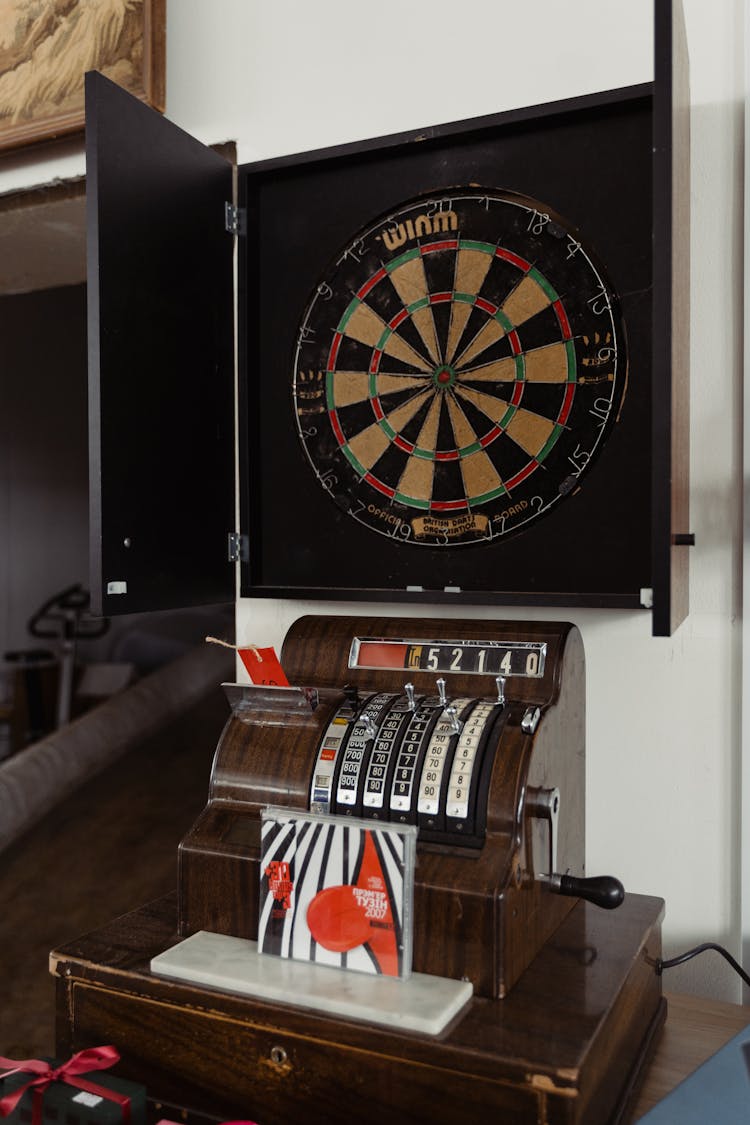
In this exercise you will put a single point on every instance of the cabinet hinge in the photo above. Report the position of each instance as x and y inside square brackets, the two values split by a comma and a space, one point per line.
[237, 547]
[234, 219]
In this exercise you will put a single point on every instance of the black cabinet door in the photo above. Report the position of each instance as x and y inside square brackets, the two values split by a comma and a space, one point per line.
[160, 312]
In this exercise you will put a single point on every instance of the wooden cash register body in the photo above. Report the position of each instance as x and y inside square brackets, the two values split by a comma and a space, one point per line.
[478, 912]
[566, 999]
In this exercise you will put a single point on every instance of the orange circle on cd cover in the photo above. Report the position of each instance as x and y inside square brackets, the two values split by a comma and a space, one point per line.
[336, 920]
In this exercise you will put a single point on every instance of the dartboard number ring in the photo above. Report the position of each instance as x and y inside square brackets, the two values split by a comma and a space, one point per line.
[458, 368]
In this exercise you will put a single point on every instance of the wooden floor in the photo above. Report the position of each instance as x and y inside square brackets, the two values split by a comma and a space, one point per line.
[107, 849]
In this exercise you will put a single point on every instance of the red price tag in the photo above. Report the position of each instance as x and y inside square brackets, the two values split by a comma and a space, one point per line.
[263, 666]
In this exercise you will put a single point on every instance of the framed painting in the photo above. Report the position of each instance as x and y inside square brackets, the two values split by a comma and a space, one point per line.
[46, 47]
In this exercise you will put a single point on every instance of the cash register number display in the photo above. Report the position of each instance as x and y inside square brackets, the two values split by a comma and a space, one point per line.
[473, 732]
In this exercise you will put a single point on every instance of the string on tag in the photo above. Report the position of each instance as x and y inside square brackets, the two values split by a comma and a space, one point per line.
[262, 664]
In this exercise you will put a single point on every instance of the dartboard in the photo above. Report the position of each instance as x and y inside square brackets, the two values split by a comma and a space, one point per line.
[458, 368]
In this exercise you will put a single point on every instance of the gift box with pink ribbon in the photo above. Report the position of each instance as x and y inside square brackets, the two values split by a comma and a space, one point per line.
[76, 1092]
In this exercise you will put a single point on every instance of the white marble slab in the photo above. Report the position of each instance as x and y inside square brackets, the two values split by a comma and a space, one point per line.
[421, 1003]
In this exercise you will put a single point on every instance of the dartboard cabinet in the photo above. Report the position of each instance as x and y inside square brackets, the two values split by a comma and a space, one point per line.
[462, 357]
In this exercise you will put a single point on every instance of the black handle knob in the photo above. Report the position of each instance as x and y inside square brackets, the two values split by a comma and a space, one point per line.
[602, 890]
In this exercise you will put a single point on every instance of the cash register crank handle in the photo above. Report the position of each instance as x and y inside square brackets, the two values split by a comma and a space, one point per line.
[601, 890]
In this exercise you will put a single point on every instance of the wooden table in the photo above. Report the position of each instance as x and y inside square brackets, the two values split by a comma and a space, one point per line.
[164, 1029]
[695, 1030]
[565, 1046]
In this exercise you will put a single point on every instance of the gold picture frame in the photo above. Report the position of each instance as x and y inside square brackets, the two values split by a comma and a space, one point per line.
[46, 47]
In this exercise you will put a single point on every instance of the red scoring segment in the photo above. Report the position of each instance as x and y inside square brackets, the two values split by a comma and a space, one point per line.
[449, 505]
[521, 263]
[449, 244]
[562, 319]
[379, 486]
[368, 285]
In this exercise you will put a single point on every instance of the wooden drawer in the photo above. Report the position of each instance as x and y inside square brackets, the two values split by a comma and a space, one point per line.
[232, 1067]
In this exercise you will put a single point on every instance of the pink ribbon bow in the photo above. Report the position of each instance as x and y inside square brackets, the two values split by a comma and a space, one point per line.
[94, 1058]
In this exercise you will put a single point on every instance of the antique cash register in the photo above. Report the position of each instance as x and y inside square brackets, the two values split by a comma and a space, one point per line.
[415, 722]
[472, 731]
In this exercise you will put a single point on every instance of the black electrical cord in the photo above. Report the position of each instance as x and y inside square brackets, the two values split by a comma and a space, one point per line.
[662, 965]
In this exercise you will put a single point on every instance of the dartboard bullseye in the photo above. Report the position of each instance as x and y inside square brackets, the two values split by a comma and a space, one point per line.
[458, 368]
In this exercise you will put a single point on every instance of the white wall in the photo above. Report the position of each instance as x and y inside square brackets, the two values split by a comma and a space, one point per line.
[663, 715]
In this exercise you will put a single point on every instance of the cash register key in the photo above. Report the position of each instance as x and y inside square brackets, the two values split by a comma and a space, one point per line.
[371, 728]
[439, 749]
[530, 720]
[451, 714]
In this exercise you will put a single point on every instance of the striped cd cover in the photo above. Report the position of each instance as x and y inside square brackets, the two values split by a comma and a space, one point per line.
[337, 891]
